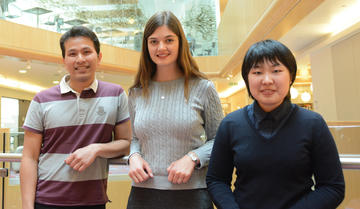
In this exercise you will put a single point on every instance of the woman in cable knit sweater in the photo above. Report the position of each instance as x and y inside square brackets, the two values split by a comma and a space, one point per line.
[175, 112]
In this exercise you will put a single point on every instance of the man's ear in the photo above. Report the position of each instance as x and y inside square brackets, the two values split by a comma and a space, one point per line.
[99, 56]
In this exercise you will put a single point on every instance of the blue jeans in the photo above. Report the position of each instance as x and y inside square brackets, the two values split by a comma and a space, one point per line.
[144, 198]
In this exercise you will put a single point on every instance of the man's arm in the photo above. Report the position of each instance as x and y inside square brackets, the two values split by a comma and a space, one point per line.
[28, 168]
[121, 144]
[83, 157]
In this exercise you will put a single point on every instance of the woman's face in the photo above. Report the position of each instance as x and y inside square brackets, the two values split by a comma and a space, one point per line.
[163, 46]
[269, 84]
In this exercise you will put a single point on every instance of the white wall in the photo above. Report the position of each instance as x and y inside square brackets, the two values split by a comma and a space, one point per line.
[336, 80]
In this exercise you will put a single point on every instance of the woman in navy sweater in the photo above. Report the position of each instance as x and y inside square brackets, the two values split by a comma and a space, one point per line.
[275, 146]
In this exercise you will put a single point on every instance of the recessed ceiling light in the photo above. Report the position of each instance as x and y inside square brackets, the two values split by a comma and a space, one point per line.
[55, 82]
[23, 71]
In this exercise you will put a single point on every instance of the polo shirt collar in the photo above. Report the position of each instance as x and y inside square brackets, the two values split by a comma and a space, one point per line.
[65, 87]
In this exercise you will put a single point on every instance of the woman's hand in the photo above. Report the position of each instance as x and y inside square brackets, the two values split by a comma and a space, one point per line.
[181, 170]
[140, 170]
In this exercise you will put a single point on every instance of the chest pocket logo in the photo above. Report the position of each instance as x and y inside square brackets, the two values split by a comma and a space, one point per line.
[100, 111]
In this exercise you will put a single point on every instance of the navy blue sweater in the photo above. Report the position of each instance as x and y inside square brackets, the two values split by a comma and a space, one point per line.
[275, 173]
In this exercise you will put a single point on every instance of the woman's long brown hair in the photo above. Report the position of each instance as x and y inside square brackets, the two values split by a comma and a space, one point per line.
[186, 62]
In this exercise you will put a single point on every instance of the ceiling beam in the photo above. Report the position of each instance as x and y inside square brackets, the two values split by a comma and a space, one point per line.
[280, 17]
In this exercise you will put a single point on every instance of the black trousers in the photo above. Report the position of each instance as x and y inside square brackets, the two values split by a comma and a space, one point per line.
[41, 206]
[144, 198]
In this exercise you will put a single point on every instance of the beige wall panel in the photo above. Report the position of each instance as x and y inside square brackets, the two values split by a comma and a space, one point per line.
[324, 96]
[356, 52]
[346, 58]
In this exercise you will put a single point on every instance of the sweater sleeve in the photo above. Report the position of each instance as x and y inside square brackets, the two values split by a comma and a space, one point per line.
[212, 116]
[135, 145]
[329, 180]
[220, 170]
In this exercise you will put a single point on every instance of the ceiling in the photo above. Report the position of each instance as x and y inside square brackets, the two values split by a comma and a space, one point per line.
[310, 33]
[321, 28]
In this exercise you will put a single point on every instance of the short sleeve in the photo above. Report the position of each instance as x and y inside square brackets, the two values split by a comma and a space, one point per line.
[123, 110]
[34, 117]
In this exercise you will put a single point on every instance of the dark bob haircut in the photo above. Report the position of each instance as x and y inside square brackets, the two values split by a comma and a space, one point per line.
[77, 31]
[272, 51]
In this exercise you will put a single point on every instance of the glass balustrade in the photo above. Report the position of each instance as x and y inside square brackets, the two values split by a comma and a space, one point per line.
[346, 135]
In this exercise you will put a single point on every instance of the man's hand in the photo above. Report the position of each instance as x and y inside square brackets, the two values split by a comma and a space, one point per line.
[83, 157]
[140, 170]
[181, 170]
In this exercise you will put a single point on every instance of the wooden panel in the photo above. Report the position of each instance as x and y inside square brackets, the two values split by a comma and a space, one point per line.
[33, 43]
[118, 192]
[352, 190]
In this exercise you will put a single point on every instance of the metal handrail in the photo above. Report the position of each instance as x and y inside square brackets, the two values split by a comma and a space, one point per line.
[16, 157]
[348, 161]
[10, 157]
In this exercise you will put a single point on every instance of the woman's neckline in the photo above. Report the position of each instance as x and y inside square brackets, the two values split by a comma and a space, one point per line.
[169, 81]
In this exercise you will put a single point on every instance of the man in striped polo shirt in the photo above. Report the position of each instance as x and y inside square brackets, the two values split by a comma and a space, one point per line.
[70, 131]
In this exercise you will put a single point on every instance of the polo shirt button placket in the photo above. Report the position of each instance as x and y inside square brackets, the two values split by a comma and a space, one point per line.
[82, 109]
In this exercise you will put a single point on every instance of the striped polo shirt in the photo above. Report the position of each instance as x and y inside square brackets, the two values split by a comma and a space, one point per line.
[68, 121]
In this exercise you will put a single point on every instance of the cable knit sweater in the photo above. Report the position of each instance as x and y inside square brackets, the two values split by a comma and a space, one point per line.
[166, 127]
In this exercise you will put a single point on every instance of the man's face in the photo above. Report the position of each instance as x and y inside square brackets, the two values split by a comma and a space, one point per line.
[81, 59]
